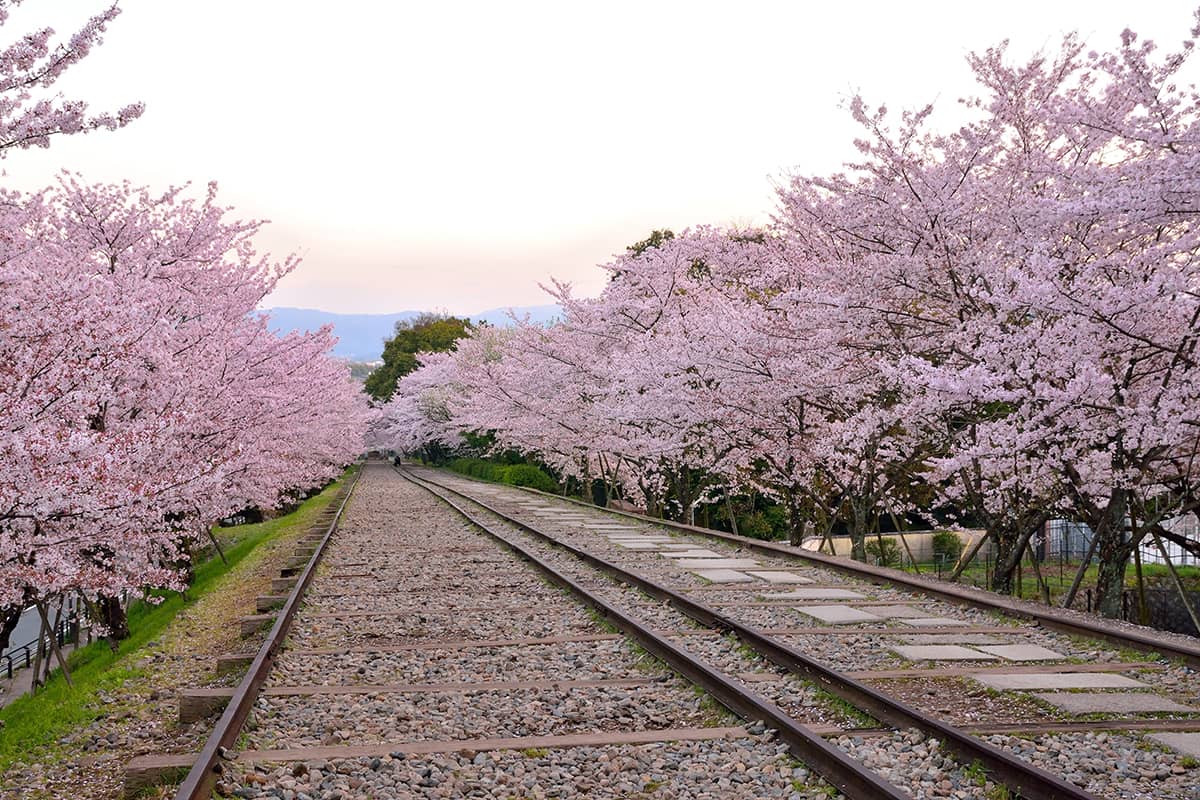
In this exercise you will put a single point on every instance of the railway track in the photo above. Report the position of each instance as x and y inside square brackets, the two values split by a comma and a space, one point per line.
[1024, 687]
[416, 656]
[424, 659]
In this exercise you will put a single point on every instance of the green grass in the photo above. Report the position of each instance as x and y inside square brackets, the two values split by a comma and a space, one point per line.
[1058, 577]
[34, 723]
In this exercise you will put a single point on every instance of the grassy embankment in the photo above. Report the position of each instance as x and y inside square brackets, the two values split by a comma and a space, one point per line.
[34, 723]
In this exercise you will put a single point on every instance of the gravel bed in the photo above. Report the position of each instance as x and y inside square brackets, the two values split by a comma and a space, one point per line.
[741, 769]
[848, 652]
[1180, 681]
[565, 661]
[445, 596]
[779, 616]
[1110, 765]
[435, 625]
[434, 588]
[920, 765]
[961, 701]
[723, 652]
[804, 702]
[283, 722]
[401, 601]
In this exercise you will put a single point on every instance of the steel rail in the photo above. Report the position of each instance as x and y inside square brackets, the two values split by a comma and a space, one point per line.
[849, 776]
[1032, 783]
[957, 594]
[208, 765]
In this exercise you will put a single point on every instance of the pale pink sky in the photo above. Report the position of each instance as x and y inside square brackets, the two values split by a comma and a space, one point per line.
[454, 155]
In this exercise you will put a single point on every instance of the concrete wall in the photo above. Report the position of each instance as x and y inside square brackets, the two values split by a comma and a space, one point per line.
[919, 542]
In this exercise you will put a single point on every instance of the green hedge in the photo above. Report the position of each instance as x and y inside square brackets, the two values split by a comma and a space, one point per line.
[512, 474]
[946, 546]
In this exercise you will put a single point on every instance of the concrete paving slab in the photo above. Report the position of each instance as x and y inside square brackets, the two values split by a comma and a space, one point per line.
[1023, 652]
[641, 537]
[838, 615]
[718, 563]
[699, 552]
[816, 594]
[1186, 743]
[723, 575]
[899, 612]
[780, 576]
[647, 546]
[1109, 702]
[941, 652]
[972, 639]
[935, 622]
[1058, 680]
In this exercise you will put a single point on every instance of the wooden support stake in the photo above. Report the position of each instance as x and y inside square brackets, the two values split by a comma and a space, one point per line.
[1087, 559]
[62, 662]
[1187, 603]
[1143, 606]
[967, 556]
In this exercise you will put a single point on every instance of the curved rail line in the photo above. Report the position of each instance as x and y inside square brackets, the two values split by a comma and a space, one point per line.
[959, 595]
[1031, 782]
[203, 774]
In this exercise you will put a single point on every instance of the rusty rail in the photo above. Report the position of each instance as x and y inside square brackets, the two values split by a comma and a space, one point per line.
[203, 774]
[953, 593]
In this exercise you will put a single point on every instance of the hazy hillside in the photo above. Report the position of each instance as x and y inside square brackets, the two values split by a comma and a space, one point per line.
[361, 336]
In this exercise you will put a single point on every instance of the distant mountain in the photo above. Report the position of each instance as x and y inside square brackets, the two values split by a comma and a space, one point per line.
[361, 336]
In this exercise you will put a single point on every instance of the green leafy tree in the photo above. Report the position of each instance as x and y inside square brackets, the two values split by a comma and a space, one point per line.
[427, 333]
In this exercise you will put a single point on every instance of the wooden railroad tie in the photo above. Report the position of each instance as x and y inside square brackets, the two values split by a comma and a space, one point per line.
[282, 584]
[196, 704]
[269, 602]
[255, 623]
[147, 771]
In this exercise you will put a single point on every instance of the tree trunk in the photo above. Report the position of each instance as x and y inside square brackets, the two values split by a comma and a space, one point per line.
[858, 531]
[9, 617]
[1113, 552]
[112, 617]
[1010, 546]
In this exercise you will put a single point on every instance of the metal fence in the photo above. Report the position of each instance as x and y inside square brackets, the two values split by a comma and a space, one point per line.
[21, 656]
[1070, 541]
[1164, 610]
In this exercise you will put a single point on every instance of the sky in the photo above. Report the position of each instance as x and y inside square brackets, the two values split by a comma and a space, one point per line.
[454, 155]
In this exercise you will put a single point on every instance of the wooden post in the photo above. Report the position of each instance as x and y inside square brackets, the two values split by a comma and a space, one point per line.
[1087, 559]
[36, 667]
[58, 656]
[967, 556]
[1143, 608]
[903, 541]
[1037, 572]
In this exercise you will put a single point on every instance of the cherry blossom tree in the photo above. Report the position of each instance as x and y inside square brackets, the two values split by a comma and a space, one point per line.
[144, 398]
[997, 323]
[31, 114]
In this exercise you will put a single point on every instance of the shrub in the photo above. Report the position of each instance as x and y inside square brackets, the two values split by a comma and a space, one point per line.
[947, 546]
[514, 474]
[528, 475]
[886, 556]
[755, 525]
